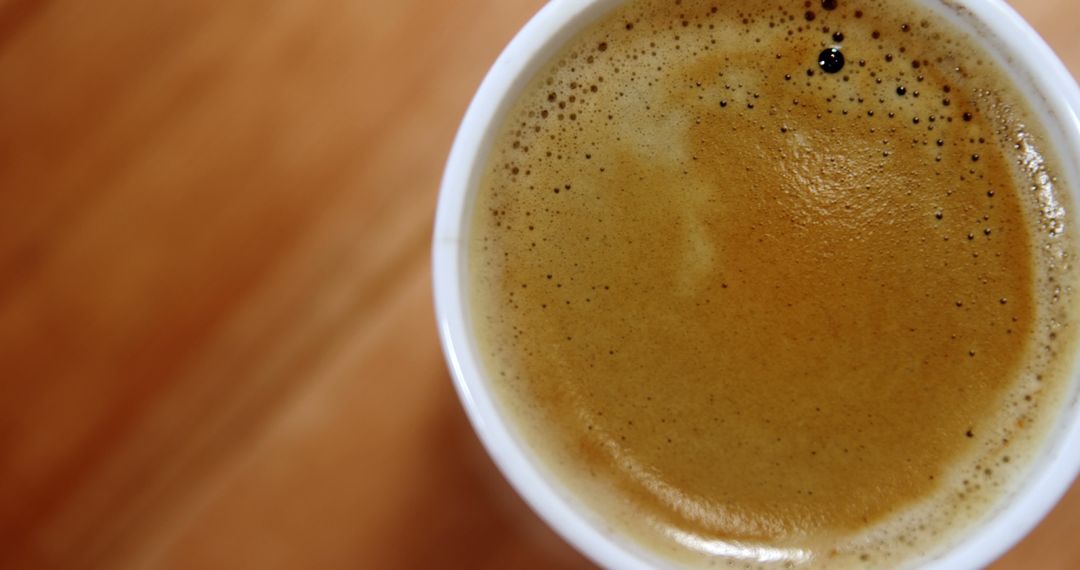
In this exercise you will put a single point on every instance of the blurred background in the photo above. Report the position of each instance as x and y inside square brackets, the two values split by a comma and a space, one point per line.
[217, 346]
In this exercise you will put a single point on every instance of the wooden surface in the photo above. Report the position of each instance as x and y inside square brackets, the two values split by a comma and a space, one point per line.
[217, 347]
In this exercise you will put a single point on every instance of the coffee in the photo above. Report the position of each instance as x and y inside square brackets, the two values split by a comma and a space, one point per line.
[778, 283]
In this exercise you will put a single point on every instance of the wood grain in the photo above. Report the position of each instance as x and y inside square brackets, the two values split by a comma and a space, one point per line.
[217, 347]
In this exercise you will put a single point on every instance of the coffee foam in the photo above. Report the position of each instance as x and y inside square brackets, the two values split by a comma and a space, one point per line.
[638, 101]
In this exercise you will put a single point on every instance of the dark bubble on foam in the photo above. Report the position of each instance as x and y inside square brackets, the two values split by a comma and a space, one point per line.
[831, 60]
[906, 90]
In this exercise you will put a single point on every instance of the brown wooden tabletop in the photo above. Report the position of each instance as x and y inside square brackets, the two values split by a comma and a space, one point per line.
[217, 347]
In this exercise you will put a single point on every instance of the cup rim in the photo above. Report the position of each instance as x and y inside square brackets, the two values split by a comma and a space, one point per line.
[1050, 474]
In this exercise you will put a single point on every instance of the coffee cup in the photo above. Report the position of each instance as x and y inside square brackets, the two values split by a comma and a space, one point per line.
[1051, 92]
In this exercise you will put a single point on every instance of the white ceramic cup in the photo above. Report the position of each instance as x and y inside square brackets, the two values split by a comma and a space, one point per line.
[1053, 94]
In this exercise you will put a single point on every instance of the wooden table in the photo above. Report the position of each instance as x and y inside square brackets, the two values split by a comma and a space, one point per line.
[217, 347]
